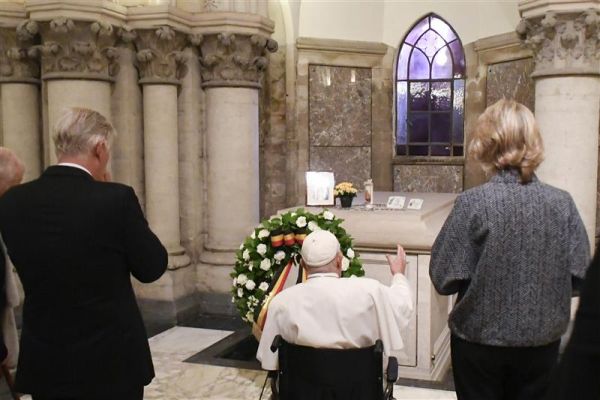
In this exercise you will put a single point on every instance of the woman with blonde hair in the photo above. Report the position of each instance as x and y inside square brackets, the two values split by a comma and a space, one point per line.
[511, 249]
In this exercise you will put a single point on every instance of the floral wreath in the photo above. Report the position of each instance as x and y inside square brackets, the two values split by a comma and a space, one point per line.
[266, 257]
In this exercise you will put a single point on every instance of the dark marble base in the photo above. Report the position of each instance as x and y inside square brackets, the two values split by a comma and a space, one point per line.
[237, 350]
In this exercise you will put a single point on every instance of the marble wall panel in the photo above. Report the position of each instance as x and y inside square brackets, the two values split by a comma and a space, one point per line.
[511, 79]
[339, 106]
[351, 164]
[428, 178]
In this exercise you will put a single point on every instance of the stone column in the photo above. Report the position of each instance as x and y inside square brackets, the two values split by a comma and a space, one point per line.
[566, 46]
[162, 64]
[128, 150]
[232, 65]
[19, 82]
[78, 66]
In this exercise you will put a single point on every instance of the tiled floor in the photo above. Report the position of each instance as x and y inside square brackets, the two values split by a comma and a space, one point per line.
[176, 380]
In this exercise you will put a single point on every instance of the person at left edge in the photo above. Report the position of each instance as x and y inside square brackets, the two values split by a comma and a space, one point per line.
[75, 239]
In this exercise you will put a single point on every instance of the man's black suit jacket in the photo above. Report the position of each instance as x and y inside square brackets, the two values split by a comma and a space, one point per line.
[74, 242]
[578, 374]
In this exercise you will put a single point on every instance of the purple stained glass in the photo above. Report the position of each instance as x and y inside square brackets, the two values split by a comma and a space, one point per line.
[418, 150]
[440, 150]
[417, 31]
[441, 67]
[430, 43]
[443, 29]
[458, 55]
[441, 95]
[458, 114]
[401, 107]
[457, 151]
[419, 65]
[441, 124]
[419, 96]
[402, 67]
[418, 127]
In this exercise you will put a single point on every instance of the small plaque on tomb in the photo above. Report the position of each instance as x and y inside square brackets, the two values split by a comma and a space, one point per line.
[396, 202]
[415, 204]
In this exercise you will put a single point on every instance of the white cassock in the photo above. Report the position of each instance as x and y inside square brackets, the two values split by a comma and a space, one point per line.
[337, 313]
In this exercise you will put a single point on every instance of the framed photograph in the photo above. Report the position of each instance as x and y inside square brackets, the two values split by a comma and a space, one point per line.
[396, 202]
[319, 188]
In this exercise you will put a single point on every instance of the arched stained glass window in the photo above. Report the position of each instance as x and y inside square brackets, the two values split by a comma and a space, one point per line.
[430, 87]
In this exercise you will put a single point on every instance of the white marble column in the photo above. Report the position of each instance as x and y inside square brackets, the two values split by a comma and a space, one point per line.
[21, 95]
[233, 176]
[567, 109]
[567, 98]
[78, 66]
[232, 67]
[162, 64]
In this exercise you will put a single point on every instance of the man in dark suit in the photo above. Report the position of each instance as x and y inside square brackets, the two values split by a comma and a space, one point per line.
[578, 373]
[75, 239]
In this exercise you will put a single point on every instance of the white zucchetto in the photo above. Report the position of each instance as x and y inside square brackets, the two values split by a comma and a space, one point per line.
[319, 248]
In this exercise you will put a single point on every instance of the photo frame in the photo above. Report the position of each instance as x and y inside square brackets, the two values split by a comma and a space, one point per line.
[319, 188]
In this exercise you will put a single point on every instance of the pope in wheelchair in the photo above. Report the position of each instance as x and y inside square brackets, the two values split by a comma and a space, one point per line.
[326, 337]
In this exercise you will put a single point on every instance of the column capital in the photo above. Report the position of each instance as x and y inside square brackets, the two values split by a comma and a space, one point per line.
[78, 50]
[19, 58]
[563, 43]
[232, 59]
[160, 55]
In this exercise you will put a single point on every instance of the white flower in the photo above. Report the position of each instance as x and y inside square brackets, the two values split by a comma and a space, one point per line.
[301, 222]
[261, 249]
[250, 285]
[263, 234]
[280, 255]
[313, 226]
[250, 316]
[240, 292]
[241, 279]
[233, 299]
[265, 264]
[345, 264]
[246, 255]
[350, 253]
[293, 214]
[263, 286]
[253, 235]
[328, 215]
[234, 281]
[241, 246]
[250, 266]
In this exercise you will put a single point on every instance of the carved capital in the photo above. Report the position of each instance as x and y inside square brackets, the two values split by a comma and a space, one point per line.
[231, 59]
[160, 55]
[19, 60]
[78, 50]
[563, 44]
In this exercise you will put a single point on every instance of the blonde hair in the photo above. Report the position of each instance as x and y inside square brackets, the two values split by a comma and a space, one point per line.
[78, 130]
[507, 136]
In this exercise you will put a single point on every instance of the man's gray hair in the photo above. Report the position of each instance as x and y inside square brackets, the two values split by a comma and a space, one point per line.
[78, 130]
[11, 169]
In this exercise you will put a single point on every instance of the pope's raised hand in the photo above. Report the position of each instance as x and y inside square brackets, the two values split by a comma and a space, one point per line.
[398, 263]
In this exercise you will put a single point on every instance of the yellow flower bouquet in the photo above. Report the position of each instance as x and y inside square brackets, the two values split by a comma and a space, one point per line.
[345, 189]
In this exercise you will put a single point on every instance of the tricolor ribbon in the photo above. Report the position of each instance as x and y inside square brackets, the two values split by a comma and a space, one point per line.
[275, 288]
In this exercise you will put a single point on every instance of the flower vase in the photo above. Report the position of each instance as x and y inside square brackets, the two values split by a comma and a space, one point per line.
[346, 201]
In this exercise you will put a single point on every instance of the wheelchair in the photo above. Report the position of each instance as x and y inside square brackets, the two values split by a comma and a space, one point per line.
[307, 373]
